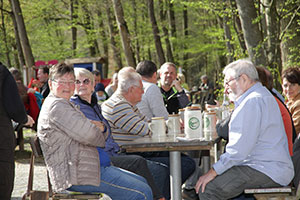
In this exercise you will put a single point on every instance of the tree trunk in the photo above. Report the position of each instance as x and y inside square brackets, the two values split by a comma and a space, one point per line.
[29, 60]
[124, 33]
[89, 30]
[228, 37]
[253, 38]
[155, 30]
[185, 32]
[238, 27]
[74, 18]
[172, 19]
[18, 43]
[137, 44]
[273, 42]
[112, 33]
[163, 15]
[290, 37]
[172, 25]
[103, 36]
[5, 36]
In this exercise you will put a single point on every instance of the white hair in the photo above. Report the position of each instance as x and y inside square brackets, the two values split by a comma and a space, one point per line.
[242, 66]
[127, 77]
[84, 72]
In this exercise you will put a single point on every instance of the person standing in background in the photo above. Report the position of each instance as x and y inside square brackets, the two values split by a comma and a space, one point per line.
[11, 108]
[112, 87]
[97, 76]
[43, 75]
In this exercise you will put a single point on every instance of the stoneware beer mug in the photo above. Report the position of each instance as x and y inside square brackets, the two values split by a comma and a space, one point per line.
[173, 124]
[157, 126]
[193, 122]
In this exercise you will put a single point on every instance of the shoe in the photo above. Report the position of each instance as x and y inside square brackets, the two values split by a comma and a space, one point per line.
[189, 194]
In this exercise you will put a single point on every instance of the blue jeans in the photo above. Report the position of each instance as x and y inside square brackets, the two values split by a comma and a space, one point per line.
[118, 184]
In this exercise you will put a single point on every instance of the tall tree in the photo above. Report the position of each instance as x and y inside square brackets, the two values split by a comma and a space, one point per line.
[112, 33]
[290, 33]
[185, 32]
[5, 35]
[272, 31]
[159, 50]
[89, 29]
[74, 20]
[124, 33]
[227, 33]
[252, 34]
[26, 48]
[163, 17]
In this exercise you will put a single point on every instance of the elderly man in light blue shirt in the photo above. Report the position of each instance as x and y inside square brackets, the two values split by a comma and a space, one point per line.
[257, 153]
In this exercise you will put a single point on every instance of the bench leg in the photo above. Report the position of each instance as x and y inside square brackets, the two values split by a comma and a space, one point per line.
[20, 139]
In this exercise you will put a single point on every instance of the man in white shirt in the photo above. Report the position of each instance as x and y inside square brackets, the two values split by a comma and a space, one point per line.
[257, 152]
[152, 104]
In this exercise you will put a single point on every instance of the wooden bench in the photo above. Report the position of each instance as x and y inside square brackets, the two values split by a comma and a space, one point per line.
[278, 193]
[45, 195]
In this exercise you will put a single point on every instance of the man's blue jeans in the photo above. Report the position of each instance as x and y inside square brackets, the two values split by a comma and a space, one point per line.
[118, 184]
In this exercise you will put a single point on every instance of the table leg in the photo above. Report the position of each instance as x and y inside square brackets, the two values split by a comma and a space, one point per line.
[206, 160]
[175, 175]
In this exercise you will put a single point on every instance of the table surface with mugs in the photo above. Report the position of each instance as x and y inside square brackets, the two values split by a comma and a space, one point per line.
[175, 145]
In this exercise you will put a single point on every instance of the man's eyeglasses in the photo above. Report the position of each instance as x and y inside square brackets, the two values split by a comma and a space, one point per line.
[85, 82]
[227, 82]
[62, 82]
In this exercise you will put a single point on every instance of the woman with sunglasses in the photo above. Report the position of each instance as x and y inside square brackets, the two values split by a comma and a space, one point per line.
[84, 87]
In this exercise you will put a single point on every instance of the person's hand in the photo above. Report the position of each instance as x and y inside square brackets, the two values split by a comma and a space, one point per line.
[203, 180]
[177, 85]
[99, 124]
[31, 90]
[30, 121]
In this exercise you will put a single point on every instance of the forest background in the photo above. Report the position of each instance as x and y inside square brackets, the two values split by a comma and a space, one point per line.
[201, 36]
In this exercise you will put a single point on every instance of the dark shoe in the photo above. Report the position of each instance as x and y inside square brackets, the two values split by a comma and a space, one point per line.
[189, 194]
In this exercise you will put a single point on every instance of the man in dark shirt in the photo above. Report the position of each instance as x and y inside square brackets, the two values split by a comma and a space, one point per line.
[43, 74]
[11, 108]
[173, 94]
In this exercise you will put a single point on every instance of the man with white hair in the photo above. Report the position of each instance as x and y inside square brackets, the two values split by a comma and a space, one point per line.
[257, 153]
[127, 123]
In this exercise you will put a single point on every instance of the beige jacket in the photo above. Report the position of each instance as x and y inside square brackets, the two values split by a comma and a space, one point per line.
[68, 141]
[294, 107]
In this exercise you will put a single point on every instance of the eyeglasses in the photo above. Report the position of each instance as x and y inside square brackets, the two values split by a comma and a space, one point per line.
[63, 82]
[227, 82]
[85, 82]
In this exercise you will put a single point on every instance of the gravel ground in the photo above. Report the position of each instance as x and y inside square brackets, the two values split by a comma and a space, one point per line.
[22, 173]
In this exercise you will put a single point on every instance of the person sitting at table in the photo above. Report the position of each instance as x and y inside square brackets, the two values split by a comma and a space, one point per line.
[257, 153]
[152, 103]
[127, 123]
[73, 145]
[291, 89]
[172, 92]
[84, 86]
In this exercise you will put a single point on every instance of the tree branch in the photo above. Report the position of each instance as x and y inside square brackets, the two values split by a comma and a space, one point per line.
[289, 24]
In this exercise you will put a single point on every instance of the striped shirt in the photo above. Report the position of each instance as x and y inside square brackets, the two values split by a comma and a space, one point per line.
[125, 120]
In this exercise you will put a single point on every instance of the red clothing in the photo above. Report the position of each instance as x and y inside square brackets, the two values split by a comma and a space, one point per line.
[32, 107]
[287, 122]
